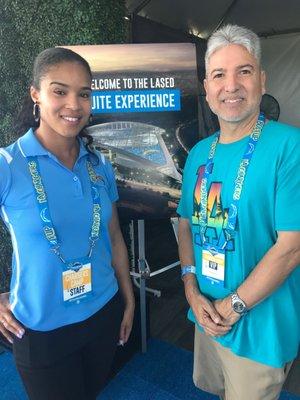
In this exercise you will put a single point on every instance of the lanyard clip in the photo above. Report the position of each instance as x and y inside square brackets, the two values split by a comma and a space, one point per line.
[56, 251]
[228, 236]
[93, 242]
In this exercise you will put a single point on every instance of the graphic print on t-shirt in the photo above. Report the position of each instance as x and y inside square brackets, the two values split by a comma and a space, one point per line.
[217, 216]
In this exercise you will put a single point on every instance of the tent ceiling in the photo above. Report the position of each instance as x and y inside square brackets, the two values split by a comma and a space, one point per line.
[202, 17]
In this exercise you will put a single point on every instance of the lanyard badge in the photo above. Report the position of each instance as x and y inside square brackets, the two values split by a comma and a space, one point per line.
[76, 273]
[213, 264]
[213, 258]
[77, 280]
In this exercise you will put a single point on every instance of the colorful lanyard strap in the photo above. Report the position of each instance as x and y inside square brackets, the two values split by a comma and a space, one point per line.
[42, 202]
[239, 181]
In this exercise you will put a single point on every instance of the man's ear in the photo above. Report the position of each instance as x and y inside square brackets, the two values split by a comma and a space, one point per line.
[205, 87]
[263, 82]
[35, 94]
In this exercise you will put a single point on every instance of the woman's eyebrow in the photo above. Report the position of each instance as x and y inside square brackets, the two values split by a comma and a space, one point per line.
[65, 85]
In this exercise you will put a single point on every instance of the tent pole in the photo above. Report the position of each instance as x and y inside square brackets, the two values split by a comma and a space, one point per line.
[142, 271]
[139, 8]
[225, 15]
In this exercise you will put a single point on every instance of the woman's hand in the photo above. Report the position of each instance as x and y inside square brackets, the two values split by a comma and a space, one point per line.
[126, 324]
[8, 324]
[121, 266]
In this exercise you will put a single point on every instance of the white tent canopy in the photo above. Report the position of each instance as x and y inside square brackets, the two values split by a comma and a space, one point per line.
[276, 21]
[281, 61]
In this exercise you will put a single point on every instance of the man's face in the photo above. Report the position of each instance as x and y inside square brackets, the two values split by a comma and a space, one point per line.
[234, 84]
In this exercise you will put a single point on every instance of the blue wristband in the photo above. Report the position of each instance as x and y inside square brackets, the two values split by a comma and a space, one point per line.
[188, 269]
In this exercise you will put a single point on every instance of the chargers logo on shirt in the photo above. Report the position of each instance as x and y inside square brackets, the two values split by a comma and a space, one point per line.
[217, 216]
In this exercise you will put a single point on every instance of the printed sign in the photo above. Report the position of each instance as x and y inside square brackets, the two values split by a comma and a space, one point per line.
[144, 106]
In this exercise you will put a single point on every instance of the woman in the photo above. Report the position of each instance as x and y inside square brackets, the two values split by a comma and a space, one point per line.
[64, 315]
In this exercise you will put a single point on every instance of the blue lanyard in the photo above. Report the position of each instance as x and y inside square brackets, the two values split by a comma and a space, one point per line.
[42, 202]
[239, 181]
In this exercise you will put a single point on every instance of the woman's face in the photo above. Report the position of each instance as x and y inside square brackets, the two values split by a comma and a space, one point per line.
[64, 99]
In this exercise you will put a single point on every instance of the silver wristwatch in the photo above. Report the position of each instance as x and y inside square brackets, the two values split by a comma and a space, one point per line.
[238, 305]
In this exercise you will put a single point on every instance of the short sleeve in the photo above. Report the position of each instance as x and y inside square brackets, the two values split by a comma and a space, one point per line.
[287, 200]
[5, 176]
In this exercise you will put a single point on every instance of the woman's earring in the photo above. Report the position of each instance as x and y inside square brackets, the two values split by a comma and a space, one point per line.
[36, 112]
[90, 119]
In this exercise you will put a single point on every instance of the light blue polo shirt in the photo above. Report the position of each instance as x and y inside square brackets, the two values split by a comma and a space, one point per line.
[270, 202]
[36, 285]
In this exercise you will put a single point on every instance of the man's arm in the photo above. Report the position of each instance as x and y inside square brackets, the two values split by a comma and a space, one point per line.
[282, 258]
[203, 309]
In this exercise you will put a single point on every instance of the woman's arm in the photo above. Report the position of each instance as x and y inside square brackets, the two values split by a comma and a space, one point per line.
[8, 324]
[121, 265]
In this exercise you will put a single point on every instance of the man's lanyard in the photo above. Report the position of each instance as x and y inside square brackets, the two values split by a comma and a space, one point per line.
[239, 181]
[43, 206]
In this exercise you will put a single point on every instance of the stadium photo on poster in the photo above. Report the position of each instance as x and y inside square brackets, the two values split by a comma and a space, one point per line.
[144, 107]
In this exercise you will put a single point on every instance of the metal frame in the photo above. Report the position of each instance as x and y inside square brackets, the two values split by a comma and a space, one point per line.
[139, 278]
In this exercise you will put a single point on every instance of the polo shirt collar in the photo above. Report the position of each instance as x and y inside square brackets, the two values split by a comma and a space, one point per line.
[31, 147]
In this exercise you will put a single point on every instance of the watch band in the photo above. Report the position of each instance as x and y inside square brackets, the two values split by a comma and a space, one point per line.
[187, 269]
[238, 305]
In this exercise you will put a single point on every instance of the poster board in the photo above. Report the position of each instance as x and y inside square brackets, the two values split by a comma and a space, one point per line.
[144, 106]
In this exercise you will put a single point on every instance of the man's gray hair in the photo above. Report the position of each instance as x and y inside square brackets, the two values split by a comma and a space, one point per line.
[233, 34]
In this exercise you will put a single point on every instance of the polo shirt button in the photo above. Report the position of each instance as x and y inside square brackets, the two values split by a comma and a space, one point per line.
[75, 178]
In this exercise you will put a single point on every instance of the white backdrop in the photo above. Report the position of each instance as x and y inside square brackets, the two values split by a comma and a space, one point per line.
[281, 61]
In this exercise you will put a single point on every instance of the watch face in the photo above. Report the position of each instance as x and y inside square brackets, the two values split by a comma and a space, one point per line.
[238, 307]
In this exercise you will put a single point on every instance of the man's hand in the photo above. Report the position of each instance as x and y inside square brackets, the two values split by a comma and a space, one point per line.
[205, 312]
[209, 318]
[8, 323]
[203, 309]
[224, 308]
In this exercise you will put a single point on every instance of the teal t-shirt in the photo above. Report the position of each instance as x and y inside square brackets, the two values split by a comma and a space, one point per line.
[270, 332]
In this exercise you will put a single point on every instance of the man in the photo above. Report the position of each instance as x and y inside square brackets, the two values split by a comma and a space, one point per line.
[239, 238]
